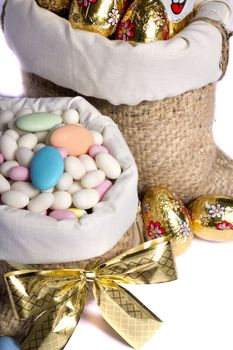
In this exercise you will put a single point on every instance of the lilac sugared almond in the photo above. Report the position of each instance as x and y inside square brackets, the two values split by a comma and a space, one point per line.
[95, 149]
[19, 173]
[103, 188]
[62, 214]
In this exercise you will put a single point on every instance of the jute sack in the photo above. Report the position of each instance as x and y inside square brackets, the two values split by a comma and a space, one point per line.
[112, 228]
[162, 94]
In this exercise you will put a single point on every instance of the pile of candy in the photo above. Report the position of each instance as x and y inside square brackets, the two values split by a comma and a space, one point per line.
[51, 164]
[132, 21]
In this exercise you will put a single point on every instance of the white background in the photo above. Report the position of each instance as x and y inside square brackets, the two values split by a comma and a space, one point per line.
[197, 309]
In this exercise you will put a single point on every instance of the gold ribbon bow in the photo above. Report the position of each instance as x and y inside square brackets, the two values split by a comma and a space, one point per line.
[56, 298]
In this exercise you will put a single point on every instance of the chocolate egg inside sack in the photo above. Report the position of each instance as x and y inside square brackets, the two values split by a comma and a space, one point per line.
[212, 218]
[179, 12]
[60, 7]
[144, 21]
[164, 214]
[99, 16]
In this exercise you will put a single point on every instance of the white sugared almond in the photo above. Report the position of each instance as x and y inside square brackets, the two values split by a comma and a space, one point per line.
[65, 182]
[25, 187]
[41, 202]
[8, 146]
[24, 156]
[70, 116]
[85, 199]
[98, 138]
[93, 179]
[28, 140]
[62, 200]
[88, 162]
[74, 166]
[15, 199]
[4, 184]
[108, 164]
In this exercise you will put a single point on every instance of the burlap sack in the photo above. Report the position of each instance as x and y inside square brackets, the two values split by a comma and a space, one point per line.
[26, 237]
[171, 139]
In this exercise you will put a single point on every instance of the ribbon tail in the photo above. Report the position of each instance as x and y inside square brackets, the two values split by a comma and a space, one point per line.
[125, 313]
[53, 328]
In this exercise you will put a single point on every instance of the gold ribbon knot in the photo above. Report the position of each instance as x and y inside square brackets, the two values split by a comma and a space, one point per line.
[56, 298]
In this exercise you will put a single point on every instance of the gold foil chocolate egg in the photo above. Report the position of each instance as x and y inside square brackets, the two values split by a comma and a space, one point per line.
[180, 12]
[164, 214]
[212, 218]
[144, 21]
[60, 7]
[100, 16]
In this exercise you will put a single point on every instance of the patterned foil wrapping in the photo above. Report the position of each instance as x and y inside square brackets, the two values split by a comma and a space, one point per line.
[164, 214]
[100, 16]
[176, 27]
[56, 298]
[60, 7]
[179, 12]
[212, 218]
[144, 21]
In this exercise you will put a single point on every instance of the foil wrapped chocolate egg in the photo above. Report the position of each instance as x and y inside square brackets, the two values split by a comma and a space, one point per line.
[60, 7]
[144, 21]
[164, 214]
[100, 16]
[212, 218]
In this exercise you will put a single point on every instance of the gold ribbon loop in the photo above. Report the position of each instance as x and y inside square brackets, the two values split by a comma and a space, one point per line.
[57, 297]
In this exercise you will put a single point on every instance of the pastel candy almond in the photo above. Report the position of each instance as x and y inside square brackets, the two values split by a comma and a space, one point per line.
[79, 213]
[25, 187]
[63, 151]
[4, 184]
[62, 200]
[62, 214]
[13, 134]
[1, 158]
[70, 116]
[65, 182]
[76, 186]
[8, 147]
[15, 199]
[103, 188]
[5, 117]
[75, 138]
[38, 146]
[46, 168]
[95, 149]
[108, 164]
[97, 136]
[28, 140]
[24, 156]
[74, 167]
[88, 162]
[19, 173]
[92, 178]
[41, 202]
[36, 122]
[6, 167]
[85, 199]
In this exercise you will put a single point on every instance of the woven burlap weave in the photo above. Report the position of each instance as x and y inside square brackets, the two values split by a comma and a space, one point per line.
[17, 328]
[172, 139]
